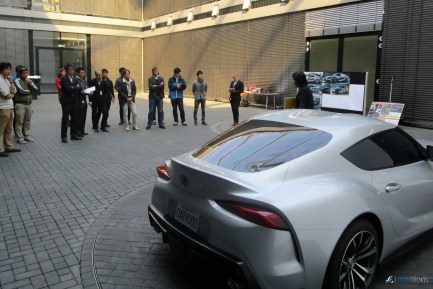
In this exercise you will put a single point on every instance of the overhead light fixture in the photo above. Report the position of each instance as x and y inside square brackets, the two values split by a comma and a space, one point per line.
[170, 21]
[215, 11]
[153, 26]
[247, 5]
[190, 17]
[285, 1]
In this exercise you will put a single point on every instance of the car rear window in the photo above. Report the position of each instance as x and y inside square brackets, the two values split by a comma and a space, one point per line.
[258, 145]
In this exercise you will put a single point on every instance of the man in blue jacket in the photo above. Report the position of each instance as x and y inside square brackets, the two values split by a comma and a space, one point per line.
[176, 86]
[127, 91]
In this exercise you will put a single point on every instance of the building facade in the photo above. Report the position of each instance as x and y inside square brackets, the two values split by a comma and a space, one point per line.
[264, 41]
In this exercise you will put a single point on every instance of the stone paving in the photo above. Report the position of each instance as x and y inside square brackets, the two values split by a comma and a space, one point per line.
[75, 215]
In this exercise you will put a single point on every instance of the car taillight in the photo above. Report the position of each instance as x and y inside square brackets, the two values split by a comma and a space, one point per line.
[255, 214]
[163, 172]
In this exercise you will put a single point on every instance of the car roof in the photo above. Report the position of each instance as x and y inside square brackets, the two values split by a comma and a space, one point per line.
[330, 122]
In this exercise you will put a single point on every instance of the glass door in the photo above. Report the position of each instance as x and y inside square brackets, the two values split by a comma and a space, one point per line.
[48, 62]
[346, 53]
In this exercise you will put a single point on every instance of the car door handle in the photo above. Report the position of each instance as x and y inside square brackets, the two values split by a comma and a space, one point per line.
[392, 187]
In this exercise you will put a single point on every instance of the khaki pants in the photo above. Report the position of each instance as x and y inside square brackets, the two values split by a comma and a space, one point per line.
[23, 115]
[6, 121]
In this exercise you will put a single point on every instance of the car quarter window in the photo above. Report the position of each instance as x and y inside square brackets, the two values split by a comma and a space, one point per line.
[258, 145]
[390, 148]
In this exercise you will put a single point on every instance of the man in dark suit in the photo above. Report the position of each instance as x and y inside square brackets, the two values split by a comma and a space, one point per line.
[80, 76]
[70, 103]
[156, 95]
[236, 88]
[97, 102]
[109, 98]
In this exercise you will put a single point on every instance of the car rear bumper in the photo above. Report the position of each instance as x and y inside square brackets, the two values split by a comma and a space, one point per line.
[185, 244]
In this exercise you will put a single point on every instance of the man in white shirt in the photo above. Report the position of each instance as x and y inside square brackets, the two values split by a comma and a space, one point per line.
[7, 91]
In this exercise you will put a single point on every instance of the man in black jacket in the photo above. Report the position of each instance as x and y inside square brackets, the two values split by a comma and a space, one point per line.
[70, 103]
[97, 101]
[156, 95]
[236, 88]
[109, 98]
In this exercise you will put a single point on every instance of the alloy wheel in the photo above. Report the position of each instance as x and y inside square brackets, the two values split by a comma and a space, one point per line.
[359, 261]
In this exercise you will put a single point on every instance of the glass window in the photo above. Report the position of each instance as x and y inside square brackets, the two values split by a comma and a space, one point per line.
[260, 145]
[386, 149]
[324, 55]
[46, 5]
[360, 55]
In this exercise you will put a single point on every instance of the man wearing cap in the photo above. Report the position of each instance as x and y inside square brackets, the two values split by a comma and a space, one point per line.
[23, 105]
[7, 91]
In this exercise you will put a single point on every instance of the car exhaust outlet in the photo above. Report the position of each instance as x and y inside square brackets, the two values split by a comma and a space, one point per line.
[234, 283]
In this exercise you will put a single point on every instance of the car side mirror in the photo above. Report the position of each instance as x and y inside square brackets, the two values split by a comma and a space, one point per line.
[430, 152]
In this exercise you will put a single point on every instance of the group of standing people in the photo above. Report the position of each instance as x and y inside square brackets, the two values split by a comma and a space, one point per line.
[16, 98]
[75, 95]
[15, 107]
[176, 86]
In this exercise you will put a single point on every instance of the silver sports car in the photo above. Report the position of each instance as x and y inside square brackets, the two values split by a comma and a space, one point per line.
[297, 199]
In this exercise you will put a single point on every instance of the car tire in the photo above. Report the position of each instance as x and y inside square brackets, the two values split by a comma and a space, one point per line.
[356, 254]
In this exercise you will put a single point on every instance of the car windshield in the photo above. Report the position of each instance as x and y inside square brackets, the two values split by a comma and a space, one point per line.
[258, 145]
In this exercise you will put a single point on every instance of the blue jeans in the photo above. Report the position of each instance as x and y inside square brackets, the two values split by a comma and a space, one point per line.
[153, 104]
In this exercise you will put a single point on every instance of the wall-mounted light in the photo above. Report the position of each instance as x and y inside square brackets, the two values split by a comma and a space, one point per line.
[215, 11]
[170, 21]
[190, 17]
[153, 26]
[247, 5]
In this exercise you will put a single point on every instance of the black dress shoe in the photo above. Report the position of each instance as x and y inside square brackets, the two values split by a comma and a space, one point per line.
[79, 135]
[148, 127]
[3, 155]
[120, 122]
[76, 137]
[104, 129]
[85, 133]
[14, 150]
[64, 140]
[162, 126]
[96, 130]
[203, 123]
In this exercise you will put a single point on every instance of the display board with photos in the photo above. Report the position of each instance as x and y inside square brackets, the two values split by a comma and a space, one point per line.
[338, 91]
[386, 111]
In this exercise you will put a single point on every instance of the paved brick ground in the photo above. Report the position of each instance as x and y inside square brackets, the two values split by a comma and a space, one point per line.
[59, 203]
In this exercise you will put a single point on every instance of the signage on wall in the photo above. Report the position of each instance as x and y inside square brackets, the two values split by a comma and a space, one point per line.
[338, 91]
[386, 111]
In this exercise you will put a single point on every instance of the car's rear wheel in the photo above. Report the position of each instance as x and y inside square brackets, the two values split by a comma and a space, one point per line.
[355, 258]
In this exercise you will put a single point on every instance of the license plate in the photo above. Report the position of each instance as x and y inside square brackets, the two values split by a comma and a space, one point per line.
[187, 217]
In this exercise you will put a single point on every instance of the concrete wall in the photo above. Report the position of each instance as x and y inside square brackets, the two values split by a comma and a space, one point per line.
[14, 46]
[265, 52]
[112, 52]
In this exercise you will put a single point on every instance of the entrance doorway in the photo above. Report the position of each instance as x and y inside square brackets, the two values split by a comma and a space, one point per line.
[52, 50]
[347, 53]
[49, 60]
